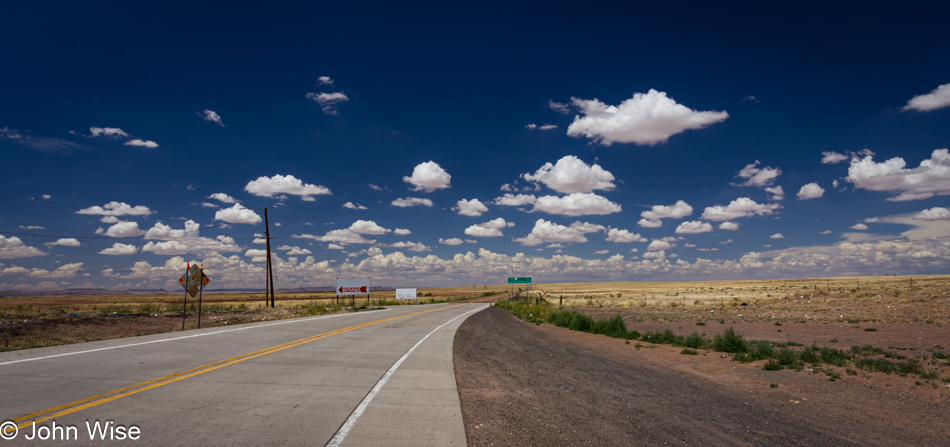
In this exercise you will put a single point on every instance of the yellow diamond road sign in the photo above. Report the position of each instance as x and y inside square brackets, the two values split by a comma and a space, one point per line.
[193, 274]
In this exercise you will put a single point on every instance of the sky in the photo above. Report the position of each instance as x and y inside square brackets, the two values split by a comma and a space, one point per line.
[435, 144]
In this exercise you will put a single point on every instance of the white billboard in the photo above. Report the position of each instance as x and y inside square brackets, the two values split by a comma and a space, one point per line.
[405, 294]
[354, 286]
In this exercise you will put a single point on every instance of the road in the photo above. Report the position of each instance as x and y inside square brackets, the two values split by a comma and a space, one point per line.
[362, 378]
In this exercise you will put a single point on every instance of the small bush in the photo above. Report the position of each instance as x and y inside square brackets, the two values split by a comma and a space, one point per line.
[772, 365]
[912, 366]
[581, 322]
[667, 337]
[561, 319]
[870, 329]
[700, 323]
[729, 341]
[611, 327]
[876, 365]
[688, 351]
[834, 356]
[789, 358]
[695, 341]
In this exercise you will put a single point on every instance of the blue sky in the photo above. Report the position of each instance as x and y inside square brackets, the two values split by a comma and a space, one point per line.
[434, 144]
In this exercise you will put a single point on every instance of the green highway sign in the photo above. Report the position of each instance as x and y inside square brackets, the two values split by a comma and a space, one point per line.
[520, 280]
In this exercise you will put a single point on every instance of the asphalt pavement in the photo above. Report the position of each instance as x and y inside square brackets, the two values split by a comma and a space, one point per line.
[367, 378]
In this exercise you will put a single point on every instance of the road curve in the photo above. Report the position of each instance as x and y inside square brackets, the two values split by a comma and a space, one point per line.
[349, 379]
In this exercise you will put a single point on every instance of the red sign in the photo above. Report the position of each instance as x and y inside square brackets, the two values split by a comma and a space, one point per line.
[354, 286]
[343, 290]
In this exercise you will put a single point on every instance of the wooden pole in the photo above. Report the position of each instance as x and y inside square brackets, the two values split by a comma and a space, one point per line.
[201, 287]
[184, 306]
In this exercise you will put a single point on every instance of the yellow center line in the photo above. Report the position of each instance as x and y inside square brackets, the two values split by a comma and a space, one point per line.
[72, 407]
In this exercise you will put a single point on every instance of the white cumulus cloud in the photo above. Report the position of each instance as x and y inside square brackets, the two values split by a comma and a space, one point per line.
[492, 228]
[651, 218]
[693, 227]
[124, 229]
[116, 209]
[657, 244]
[571, 175]
[729, 226]
[777, 192]
[162, 231]
[342, 237]
[368, 227]
[222, 197]
[119, 249]
[623, 236]
[66, 242]
[114, 132]
[515, 200]
[810, 191]
[473, 208]
[576, 204]
[777, 236]
[411, 246]
[451, 241]
[938, 98]
[428, 177]
[859, 227]
[935, 213]
[645, 119]
[293, 250]
[12, 247]
[545, 231]
[931, 178]
[329, 101]
[354, 206]
[401, 231]
[237, 214]
[285, 184]
[755, 176]
[411, 201]
[832, 157]
[741, 207]
[141, 143]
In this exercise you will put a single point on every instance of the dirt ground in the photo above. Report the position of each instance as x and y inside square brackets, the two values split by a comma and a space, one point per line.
[52, 330]
[523, 384]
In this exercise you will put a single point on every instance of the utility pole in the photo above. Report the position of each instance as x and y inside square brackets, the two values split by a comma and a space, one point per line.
[270, 271]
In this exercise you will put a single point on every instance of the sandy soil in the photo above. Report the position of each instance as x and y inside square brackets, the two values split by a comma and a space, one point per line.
[522, 384]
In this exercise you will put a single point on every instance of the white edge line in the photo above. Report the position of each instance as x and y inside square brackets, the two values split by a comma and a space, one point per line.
[293, 320]
[351, 421]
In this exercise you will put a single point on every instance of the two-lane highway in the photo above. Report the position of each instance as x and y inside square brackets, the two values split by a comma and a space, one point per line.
[362, 378]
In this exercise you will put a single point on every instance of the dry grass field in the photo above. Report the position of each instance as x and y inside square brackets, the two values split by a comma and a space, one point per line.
[37, 321]
[909, 299]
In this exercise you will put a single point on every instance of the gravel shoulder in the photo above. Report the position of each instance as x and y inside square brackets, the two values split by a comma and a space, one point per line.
[523, 384]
